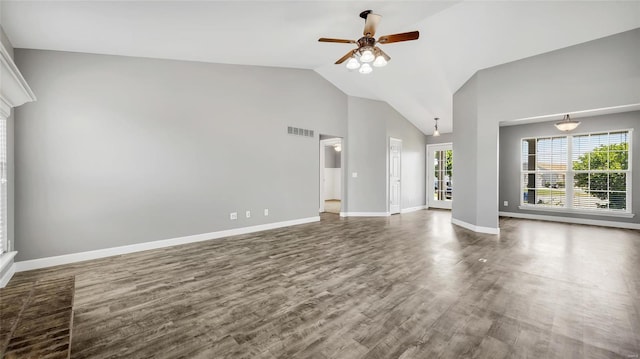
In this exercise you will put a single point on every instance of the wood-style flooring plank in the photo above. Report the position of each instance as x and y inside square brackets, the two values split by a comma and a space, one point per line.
[407, 286]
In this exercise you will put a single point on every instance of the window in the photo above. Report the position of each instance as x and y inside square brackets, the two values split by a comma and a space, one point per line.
[588, 172]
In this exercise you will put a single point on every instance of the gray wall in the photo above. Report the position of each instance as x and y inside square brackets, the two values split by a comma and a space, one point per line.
[413, 158]
[365, 155]
[510, 159]
[465, 110]
[443, 138]
[597, 74]
[371, 123]
[121, 150]
[331, 157]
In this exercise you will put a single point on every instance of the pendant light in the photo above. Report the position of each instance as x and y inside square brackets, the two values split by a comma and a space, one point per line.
[436, 132]
[567, 124]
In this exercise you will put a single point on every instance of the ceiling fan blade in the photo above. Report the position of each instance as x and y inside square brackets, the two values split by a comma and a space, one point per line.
[371, 23]
[342, 41]
[384, 54]
[345, 57]
[405, 36]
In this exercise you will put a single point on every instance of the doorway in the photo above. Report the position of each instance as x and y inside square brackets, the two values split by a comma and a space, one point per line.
[330, 174]
[395, 174]
[440, 175]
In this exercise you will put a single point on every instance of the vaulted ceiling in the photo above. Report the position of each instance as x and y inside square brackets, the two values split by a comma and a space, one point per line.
[456, 38]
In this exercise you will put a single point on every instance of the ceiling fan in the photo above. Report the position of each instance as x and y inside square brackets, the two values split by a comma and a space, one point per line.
[367, 51]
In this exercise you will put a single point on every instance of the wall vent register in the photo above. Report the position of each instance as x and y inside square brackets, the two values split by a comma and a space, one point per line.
[299, 131]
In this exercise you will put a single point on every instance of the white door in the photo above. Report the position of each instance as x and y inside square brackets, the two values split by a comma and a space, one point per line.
[439, 175]
[395, 154]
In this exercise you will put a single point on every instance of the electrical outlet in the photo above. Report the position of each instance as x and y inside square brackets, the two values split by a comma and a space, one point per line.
[505, 203]
[233, 215]
[266, 212]
[248, 213]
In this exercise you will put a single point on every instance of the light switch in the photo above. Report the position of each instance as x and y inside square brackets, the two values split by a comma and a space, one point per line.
[354, 174]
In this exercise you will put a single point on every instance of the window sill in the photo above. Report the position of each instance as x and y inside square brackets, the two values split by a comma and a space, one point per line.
[578, 211]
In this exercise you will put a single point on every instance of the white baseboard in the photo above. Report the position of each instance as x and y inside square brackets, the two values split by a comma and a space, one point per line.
[108, 252]
[473, 227]
[593, 222]
[8, 267]
[413, 209]
[365, 214]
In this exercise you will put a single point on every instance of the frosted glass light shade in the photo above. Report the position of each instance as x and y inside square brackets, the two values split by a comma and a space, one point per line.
[367, 56]
[365, 69]
[567, 124]
[353, 63]
[380, 62]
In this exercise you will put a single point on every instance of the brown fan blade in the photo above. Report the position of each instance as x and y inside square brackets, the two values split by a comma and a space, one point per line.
[370, 24]
[345, 57]
[342, 41]
[384, 54]
[405, 36]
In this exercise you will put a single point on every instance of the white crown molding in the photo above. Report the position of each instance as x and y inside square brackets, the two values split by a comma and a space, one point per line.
[14, 90]
[592, 222]
[113, 251]
[473, 227]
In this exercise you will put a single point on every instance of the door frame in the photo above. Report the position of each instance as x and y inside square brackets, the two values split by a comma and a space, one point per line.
[391, 140]
[323, 144]
[431, 203]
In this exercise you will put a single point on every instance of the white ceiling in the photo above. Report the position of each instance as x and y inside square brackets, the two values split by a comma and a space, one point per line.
[456, 38]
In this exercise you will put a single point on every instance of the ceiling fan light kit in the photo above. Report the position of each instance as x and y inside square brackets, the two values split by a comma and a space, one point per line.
[367, 56]
[365, 69]
[380, 62]
[353, 63]
[367, 52]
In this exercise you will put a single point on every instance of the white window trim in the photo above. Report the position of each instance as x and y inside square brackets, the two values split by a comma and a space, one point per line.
[568, 207]
[4, 205]
[593, 212]
[14, 92]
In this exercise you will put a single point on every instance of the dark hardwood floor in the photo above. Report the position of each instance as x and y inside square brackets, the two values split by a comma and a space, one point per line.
[408, 286]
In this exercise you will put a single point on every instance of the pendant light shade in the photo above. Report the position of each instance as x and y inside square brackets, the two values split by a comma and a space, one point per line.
[567, 124]
[436, 132]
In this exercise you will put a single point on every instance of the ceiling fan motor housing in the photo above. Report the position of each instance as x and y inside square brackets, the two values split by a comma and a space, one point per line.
[366, 41]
